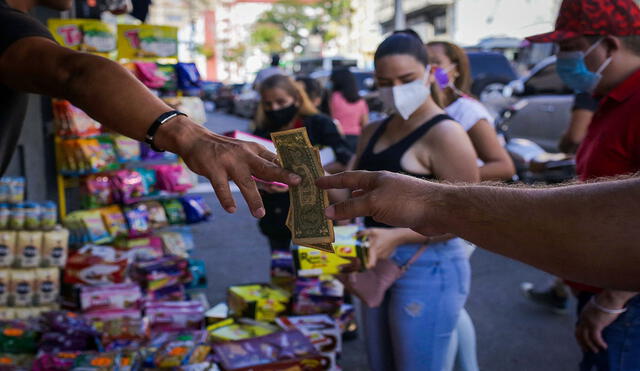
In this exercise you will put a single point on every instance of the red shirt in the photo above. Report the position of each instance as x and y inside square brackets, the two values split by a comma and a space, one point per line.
[612, 144]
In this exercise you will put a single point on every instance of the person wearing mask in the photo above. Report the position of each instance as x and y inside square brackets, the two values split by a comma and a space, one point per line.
[347, 106]
[453, 74]
[32, 62]
[599, 53]
[284, 105]
[313, 89]
[273, 69]
[411, 330]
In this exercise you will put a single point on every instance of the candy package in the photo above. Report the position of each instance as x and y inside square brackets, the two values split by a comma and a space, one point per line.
[176, 349]
[12, 189]
[97, 191]
[311, 262]
[127, 149]
[31, 215]
[28, 249]
[260, 302]
[18, 337]
[229, 329]
[315, 295]
[168, 72]
[282, 270]
[128, 186]
[160, 273]
[66, 331]
[172, 178]
[7, 248]
[54, 247]
[114, 221]
[108, 152]
[189, 80]
[137, 217]
[320, 329]
[157, 215]
[22, 287]
[17, 216]
[60, 361]
[5, 214]
[94, 265]
[147, 73]
[47, 285]
[4, 287]
[174, 316]
[198, 273]
[195, 208]
[141, 248]
[175, 211]
[48, 215]
[110, 296]
[178, 241]
[148, 180]
[94, 227]
[122, 332]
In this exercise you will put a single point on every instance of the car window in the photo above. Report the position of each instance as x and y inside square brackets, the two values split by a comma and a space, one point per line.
[489, 64]
[545, 81]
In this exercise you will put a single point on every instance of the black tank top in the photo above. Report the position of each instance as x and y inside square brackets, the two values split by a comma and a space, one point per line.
[389, 158]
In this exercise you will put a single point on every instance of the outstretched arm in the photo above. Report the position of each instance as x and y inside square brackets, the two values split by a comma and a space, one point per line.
[115, 98]
[588, 233]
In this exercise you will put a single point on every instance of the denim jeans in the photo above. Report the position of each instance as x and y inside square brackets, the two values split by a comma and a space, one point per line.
[411, 330]
[462, 349]
[622, 338]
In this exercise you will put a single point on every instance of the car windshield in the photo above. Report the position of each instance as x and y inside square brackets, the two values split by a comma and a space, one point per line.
[361, 78]
[490, 64]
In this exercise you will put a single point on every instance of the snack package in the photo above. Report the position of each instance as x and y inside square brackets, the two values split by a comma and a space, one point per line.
[147, 73]
[60, 361]
[94, 265]
[189, 80]
[47, 285]
[349, 253]
[114, 220]
[315, 295]
[128, 186]
[321, 330]
[122, 332]
[198, 272]
[282, 270]
[94, 227]
[18, 337]
[12, 189]
[149, 180]
[105, 361]
[174, 316]
[137, 217]
[127, 149]
[97, 190]
[22, 287]
[176, 349]
[5, 214]
[55, 245]
[108, 150]
[161, 273]
[28, 249]
[111, 296]
[48, 215]
[4, 288]
[346, 319]
[178, 241]
[157, 215]
[260, 302]
[16, 217]
[195, 209]
[175, 211]
[230, 330]
[7, 248]
[285, 350]
[31, 215]
[66, 331]
[142, 248]
[173, 178]
[217, 313]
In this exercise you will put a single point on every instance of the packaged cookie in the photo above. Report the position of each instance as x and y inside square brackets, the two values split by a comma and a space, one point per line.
[28, 249]
[4, 287]
[55, 245]
[7, 248]
[5, 213]
[47, 285]
[22, 286]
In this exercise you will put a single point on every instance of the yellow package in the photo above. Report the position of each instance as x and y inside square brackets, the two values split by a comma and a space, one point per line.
[7, 248]
[47, 285]
[22, 287]
[4, 287]
[29, 249]
[259, 302]
[55, 245]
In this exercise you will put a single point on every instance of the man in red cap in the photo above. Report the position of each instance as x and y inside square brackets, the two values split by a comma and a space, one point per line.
[599, 53]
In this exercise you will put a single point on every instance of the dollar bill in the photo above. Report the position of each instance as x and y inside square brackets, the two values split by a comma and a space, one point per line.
[306, 220]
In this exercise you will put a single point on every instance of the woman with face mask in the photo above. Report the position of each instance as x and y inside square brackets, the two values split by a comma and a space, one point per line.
[284, 105]
[411, 330]
[453, 74]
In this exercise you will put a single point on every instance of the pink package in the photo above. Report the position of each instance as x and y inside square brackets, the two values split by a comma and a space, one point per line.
[128, 186]
[172, 178]
[174, 315]
[108, 297]
[147, 73]
[112, 314]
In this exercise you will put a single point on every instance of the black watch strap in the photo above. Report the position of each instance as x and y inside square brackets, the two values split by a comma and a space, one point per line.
[151, 133]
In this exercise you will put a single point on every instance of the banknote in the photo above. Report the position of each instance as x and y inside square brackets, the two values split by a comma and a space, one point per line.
[306, 220]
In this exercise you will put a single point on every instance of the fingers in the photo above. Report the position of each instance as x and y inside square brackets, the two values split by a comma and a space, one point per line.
[223, 192]
[598, 340]
[584, 339]
[266, 167]
[348, 179]
[249, 191]
[349, 209]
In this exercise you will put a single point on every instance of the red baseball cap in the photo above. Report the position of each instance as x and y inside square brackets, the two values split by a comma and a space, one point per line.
[593, 17]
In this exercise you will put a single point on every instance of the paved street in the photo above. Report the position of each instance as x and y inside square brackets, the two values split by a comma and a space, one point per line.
[512, 334]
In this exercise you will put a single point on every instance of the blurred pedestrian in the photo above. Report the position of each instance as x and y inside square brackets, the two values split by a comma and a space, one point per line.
[284, 105]
[273, 69]
[412, 328]
[584, 105]
[347, 106]
[313, 89]
[599, 43]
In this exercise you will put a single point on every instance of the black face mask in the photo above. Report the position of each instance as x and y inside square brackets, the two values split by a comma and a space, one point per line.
[282, 116]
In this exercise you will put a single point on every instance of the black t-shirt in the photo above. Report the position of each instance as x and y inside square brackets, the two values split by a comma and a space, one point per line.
[14, 25]
[322, 132]
[585, 101]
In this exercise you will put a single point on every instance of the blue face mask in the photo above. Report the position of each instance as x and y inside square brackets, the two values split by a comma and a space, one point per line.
[574, 72]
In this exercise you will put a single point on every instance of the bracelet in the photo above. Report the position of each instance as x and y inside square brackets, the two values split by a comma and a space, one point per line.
[156, 125]
[605, 310]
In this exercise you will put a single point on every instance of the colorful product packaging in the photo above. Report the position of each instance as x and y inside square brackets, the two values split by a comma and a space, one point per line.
[28, 249]
[4, 287]
[47, 285]
[94, 265]
[114, 221]
[110, 296]
[18, 337]
[195, 208]
[321, 330]
[8, 241]
[5, 214]
[157, 215]
[230, 329]
[174, 316]
[316, 295]
[22, 287]
[55, 245]
[66, 331]
[174, 210]
[260, 302]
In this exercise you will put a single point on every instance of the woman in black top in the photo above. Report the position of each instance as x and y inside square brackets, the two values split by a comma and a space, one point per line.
[284, 105]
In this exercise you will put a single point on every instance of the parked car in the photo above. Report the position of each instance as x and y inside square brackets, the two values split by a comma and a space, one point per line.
[547, 113]
[490, 72]
[246, 102]
[225, 98]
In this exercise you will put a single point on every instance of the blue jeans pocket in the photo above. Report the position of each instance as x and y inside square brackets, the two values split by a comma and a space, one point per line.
[463, 270]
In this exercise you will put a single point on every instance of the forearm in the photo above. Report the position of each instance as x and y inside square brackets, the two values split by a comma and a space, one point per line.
[587, 233]
[406, 236]
[497, 170]
[614, 299]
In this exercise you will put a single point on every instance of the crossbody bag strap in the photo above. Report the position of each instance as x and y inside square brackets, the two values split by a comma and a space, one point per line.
[414, 258]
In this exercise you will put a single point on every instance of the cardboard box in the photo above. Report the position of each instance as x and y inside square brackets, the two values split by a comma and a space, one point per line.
[321, 330]
[258, 301]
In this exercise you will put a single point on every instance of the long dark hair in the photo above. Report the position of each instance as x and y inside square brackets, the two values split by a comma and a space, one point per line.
[344, 82]
[407, 42]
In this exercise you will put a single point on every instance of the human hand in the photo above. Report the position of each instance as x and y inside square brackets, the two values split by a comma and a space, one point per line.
[221, 159]
[382, 243]
[589, 329]
[389, 198]
[271, 188]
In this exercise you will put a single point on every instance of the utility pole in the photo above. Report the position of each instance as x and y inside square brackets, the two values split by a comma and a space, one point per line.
[399, 18]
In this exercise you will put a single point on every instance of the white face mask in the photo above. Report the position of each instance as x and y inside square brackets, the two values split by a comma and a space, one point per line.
[406, 98]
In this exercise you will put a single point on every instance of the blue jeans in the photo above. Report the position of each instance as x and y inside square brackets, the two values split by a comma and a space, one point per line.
[462, 350]
[622, 338]
[411, 330]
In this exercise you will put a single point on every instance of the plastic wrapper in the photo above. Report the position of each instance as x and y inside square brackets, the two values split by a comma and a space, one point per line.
[28, 249]
[127, 149]
[157, 215]
[282, 270]
[195, 208]
[198, 272]
[149, 180]
[129, 186]
[8, 240]
[114, 221]
[173, 178]
[174, 316]
[111, 296]
[5, 214]
[137, 217]
[31, 215]
[162, 273]
[66, 331]
[97, 190]
[22, 287]
[18, 337]
[173, 349]
[55, 246]
[260, 302]
[16, 217]
[12, 189]
[95, 265]
[321, 330]
[142, 248]
[48, 215]
[59, 361]
[175, 211]
[316, 295]
[178, 241]
[47, 285]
